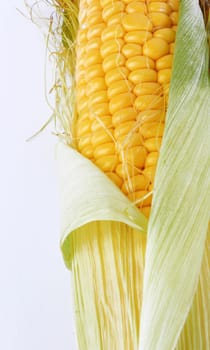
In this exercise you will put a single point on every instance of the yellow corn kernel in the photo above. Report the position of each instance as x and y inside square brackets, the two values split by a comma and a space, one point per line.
[148, 89]
[134, 155]
[81, 82]
[80, 71]
[93, 44]
[124, 115]
[135, 183]
[99, 109]
[115, 178]
[106, 149]
[92, 57]
[111, 46]
[164, 62]
[88, 152]
[80, 74]
[159, 7]
[95, 31]
[82, 16]
[94, 18]
[149, 1]
[126, 141]
[150, 173]
[101, 136]
[107, 163]
[166, 97]
[83, 127]
[94, 71]
[140, 197]
[151, 187]
[136, 6]
[119, 87]
[116, 74]
[129, 1]
[153, 144]
[143, 75]
[136, 21]
[166, 89]
[149, 102]
[124, 129]
[130, 50]
[121, 101]
[154, 129]
[105, 2]
[164, 76]
[149, 116]
[84, 142]
[174, 16]
[104, 122]
[112, 32]
[174, 28]
[113, 61]
[160, 20]
[82, 36]
[167, 34]
[151, 159]
[83, 103]
[80, 96]
[138, 36]
[116, 19]
[137, 62]
[87, 2]
[93, 7]
[81, 91]
[112, 8]
[155, 48]
[98, 97]
[146, 211]
[84, 113]
[95, 85]
[172, 48]
[174, 4]
[125, 170]
[81, 52]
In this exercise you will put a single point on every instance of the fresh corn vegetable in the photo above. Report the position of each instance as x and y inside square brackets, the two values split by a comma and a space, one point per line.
[121, 72]
[140, 106]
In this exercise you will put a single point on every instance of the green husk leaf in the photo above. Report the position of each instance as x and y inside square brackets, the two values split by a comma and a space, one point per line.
[87, 195]
[195, 334]
[103, 243]
[178, 224]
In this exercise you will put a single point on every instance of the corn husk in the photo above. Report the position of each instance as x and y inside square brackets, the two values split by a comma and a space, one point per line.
[87, 195]
[103, 242]
[177, 232]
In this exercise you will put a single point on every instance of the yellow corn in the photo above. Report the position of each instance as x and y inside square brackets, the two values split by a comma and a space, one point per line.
[124, 61]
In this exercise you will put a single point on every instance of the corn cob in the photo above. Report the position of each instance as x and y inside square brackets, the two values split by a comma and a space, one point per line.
[124, 61]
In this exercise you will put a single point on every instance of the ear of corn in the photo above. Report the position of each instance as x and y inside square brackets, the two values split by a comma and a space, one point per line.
[124, 53]
[122, 71]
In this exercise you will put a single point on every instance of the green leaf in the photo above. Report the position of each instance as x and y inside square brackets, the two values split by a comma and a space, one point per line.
[180, 214]
[87, 195]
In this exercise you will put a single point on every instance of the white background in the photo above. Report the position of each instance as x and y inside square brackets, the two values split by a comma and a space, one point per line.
[35, 289]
